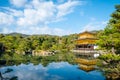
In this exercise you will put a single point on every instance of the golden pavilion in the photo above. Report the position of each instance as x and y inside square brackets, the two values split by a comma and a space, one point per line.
[86, 41]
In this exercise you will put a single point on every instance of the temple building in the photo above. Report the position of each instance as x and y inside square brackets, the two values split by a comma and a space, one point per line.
[86, 41]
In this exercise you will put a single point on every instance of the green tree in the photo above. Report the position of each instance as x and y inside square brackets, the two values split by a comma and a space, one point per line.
[36, 44]
[24, 45]
[46, 45]
[109, 38]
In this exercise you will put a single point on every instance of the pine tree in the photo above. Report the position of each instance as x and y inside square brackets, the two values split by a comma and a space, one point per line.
[109, 38]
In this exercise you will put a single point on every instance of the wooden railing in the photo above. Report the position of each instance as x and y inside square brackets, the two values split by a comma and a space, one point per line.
[86, 51]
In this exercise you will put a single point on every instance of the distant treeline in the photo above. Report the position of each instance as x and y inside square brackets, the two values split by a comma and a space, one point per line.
[12, 42]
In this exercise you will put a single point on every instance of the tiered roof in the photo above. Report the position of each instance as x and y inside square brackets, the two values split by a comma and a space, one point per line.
[86, 38]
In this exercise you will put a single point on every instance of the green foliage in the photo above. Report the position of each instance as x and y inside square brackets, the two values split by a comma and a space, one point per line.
[24, 45]
[6, 57]
[10, 45]
[46, 45]
[17, 59]
[110, 64]
[13, 43]
[115, 57]
[109, 38]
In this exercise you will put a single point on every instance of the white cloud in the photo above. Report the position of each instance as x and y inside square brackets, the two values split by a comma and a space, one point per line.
[40, 14]
[6, 30]
[13, 12]
[95, 25]
[18, 3]
[35, 15]
[42, 30]
[57, 65]
[6, 19]
[45, 12]
[66, 8]
[36, 72]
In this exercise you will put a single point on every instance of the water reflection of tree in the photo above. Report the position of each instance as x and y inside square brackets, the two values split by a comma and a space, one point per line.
[35, 60]
[110, 65]
[7, 78]
[44, 60]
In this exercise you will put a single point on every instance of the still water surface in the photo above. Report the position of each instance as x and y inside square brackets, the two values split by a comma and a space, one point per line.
[53, 71]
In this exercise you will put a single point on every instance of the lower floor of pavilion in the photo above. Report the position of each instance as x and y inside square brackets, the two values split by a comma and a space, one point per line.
[85, 46]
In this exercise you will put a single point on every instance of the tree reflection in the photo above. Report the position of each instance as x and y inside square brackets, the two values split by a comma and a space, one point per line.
[37, 70]
[44, 60]
[7, 78]
[35, 60]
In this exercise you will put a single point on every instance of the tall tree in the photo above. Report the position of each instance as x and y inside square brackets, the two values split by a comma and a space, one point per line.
[109, 38]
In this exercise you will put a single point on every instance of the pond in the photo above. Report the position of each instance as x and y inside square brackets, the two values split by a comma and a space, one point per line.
[53, 71]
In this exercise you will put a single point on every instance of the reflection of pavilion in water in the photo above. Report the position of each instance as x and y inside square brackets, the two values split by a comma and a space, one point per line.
[85, 64]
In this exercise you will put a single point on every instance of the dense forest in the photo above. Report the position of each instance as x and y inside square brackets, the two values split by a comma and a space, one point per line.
[11, 43]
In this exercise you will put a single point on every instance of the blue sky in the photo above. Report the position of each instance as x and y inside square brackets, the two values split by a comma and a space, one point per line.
[55, 17]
